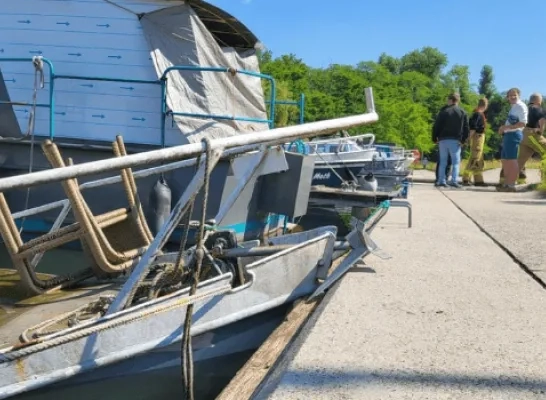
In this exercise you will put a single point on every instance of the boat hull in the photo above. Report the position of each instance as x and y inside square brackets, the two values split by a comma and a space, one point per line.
[384, 171]
[155, 327]
[157, 374]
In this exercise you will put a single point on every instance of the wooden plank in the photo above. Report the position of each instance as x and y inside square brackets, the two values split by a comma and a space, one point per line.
[245, 382]
[251, 375]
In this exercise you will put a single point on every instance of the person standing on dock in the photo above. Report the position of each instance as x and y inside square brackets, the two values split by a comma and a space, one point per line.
[451, 130]
[477, 125]
[512, 135]
[536, 122]
[449, 164]
[448, 168]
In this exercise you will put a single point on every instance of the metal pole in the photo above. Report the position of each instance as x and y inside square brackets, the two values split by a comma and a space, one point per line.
[302, 108]
[271, 137]
[165, 232]
[370, 104]
[143, 173]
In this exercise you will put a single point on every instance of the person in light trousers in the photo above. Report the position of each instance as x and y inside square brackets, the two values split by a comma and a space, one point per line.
[450, 131]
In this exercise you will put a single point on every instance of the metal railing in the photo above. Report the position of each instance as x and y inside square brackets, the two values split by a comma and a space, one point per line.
[300, 104]
[162, 81]
[171, 158]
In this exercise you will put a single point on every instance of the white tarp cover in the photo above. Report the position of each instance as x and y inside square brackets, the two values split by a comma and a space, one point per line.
[177, 36]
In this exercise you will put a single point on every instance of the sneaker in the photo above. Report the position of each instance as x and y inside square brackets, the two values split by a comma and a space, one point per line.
[466, 183]
[444, 185]
[454, 185]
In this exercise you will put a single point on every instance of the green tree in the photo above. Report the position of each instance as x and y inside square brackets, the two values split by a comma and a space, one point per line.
[458, 77]
[486, 86]
[408, 91]
[392, 64]
[429, 61]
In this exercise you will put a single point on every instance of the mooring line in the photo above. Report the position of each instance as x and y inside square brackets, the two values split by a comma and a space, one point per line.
[514, 258]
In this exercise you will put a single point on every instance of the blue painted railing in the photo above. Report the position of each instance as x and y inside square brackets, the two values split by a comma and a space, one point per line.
[300, 104]
[165, 112]
[162, 82]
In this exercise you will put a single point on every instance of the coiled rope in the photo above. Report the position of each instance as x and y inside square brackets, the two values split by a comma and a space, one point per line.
[105, 324]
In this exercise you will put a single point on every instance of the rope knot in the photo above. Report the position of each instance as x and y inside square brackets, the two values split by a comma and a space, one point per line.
[200, 254]
[38, 62]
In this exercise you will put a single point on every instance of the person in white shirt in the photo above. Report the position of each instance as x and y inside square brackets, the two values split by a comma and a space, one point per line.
[512, 134]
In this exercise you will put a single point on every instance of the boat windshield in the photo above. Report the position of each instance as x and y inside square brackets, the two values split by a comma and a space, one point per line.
[325, 148]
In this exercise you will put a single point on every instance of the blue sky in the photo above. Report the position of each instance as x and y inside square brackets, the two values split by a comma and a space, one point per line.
[471, 33]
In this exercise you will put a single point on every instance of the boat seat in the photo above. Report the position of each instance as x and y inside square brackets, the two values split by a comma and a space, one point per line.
[111, 249]
[26, 256]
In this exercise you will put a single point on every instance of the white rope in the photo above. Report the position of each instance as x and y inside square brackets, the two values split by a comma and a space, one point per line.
[96, 308]
[38, 63]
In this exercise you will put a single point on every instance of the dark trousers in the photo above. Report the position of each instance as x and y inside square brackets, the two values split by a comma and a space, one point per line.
[448, 167]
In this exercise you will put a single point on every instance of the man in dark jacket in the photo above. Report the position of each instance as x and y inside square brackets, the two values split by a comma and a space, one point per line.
[450, 131]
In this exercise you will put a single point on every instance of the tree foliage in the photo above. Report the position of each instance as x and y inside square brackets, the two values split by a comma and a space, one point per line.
[486, 86]
[408, 91]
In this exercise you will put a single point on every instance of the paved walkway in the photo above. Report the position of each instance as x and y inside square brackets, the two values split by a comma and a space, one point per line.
[490, 176]
[517, 223]
[450, 316]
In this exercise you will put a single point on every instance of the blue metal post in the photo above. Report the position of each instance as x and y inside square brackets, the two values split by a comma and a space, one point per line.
[302, 108]
[51, 98]
[273, 96]
[163, 110]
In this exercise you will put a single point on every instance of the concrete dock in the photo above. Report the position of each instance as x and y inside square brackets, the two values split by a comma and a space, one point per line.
[457, 313]
[490, 176]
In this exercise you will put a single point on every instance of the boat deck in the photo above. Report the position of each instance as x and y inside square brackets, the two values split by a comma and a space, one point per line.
[19, 312]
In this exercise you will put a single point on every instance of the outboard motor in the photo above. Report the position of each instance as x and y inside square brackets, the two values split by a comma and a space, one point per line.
[368, 182]
[160, 204]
